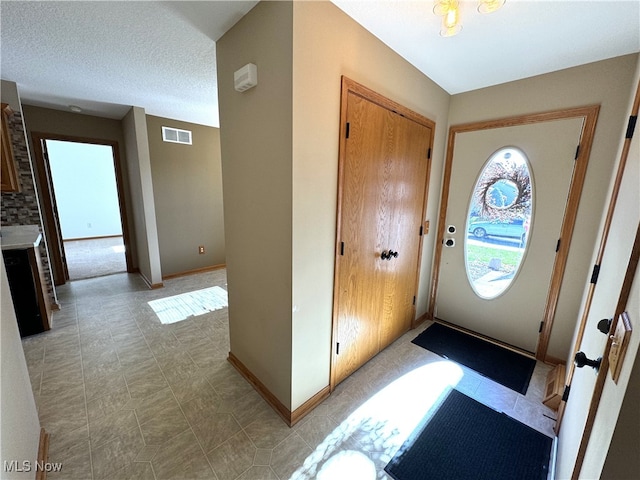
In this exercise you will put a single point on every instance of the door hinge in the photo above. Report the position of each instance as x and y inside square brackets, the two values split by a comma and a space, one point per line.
[341, 248]
[558, 245]
[429, 153]
[631, 126]
[337, 348]
[595, 274]
[577, 152]
[421, 230]
[565, 394]
[347, 130]
[414, 299]
[541, 327]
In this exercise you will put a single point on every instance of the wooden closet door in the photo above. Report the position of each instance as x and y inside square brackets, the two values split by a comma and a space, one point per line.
[405, 188]
[383, 175]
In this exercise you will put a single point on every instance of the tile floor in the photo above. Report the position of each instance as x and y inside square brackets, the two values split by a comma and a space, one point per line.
[126, 397]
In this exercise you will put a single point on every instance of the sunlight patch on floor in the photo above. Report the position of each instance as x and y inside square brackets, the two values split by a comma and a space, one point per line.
[384, 422]
[118, 248]
[180, 307]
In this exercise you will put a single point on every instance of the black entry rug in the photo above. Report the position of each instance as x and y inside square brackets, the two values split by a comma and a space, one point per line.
[465, 439]
[501, 365]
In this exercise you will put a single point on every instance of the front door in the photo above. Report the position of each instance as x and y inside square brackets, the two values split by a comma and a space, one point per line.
[384, 166]
[503, 223]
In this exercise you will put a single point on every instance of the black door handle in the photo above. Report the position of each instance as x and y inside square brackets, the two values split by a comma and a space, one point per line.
[388, 255]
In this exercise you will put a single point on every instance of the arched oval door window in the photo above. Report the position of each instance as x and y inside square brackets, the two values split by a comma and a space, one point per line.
[498, 221]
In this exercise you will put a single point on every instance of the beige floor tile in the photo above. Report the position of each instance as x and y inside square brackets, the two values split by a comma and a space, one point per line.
[134, 471]
[249, 408]
[203, 399]
[56, 382]
[147, 453]
[176, 365]
[207, 356]
[233, 457]
[259, 473]
[107, 428]
[144, 370]
[191, 387]
[222, 373]
[132, 355]
[289, 455]
[181, 458]
[76, 464]
[495, 395]
[103, 384]
[163, 343]
[213, 429]
[146, 387]
[63, 412]
[100, 361]
[164, 425]
[315, 429]
[268, 432]
[117, 453]
[63, 445]
[263, 456]
[126, 397]
[109, 404]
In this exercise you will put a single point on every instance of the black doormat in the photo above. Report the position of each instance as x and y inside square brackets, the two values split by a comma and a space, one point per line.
[465, 439]
[501, 365]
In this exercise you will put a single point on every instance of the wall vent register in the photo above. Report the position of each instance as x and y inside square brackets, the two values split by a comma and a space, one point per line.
[175, 135]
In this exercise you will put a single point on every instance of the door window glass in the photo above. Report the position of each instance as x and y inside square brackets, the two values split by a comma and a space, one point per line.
[498, 220]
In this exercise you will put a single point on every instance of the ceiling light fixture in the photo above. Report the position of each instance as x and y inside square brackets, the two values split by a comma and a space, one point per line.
[490, 6]
[449, 10]
[75, 108]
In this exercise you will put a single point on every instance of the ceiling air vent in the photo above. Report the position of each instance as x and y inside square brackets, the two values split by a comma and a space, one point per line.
[175, 135]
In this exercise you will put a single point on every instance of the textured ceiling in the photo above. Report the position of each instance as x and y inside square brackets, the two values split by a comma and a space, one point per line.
[106, 56]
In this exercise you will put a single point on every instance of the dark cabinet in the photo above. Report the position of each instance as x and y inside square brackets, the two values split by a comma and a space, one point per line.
[25, 282]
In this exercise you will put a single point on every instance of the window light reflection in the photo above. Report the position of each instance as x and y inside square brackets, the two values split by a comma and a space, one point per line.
[383, 423]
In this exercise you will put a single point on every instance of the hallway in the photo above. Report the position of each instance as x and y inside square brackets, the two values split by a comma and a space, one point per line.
[125, 396]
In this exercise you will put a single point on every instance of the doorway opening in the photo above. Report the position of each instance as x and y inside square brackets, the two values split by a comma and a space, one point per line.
[83, 206]
[84, 185]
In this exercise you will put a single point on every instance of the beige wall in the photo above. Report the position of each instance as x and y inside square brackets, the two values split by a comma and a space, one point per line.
[19, 424]
[622, 459]
[255, 136]
[58, 122]
[10, 94]
[187, 188]
[624, 226]
[136, 145]
[280, 159]
[605, 83]
[327, 45]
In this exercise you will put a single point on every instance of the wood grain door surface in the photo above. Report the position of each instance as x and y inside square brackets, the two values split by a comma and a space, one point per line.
[383, 182]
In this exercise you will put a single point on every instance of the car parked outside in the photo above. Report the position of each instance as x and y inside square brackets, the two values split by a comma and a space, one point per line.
[516, 228]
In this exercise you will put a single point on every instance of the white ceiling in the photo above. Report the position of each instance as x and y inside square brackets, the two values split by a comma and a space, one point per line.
[105, 56]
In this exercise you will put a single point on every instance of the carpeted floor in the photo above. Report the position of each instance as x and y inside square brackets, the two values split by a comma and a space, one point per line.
[94, 257]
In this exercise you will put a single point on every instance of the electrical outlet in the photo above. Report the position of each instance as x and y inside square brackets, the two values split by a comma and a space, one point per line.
[201, 249]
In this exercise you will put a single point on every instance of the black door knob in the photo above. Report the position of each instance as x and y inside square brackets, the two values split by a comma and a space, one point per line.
[581, 360]
[388, 255]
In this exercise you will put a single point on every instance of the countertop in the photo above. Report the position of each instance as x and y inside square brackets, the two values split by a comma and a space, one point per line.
[20, 237]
